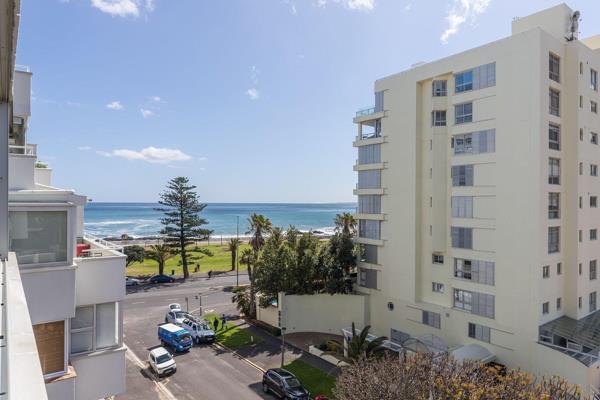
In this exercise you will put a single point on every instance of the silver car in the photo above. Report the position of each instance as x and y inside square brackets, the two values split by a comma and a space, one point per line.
[175, 317]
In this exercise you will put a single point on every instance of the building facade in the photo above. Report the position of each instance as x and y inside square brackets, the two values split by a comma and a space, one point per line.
[62, 318]
[478, 200]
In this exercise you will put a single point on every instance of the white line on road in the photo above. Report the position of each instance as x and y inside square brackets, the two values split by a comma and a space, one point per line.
[159, 385]
[139, 302]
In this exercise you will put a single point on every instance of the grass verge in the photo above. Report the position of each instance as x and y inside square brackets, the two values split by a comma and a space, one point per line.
[232, 336]
[313, 379]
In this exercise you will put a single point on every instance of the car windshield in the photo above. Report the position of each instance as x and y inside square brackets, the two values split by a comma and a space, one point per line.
[204, 326]
[163, 358]
[292, 382]
[185, 338]
[179, 314]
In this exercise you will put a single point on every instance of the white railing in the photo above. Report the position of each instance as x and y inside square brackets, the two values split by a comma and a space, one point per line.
[101, 242]
[584, 358]
[22, 68]
[365, 111]
[28, 149]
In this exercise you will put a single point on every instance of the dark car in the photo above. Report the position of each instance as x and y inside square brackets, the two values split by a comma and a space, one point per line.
[284, 385]
[162, 279]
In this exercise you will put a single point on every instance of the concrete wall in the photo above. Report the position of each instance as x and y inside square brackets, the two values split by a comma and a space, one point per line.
[61, 389]
[322, 312]
[50, 293]
[22, 94]
[43, 176]
[99, 280]
[269, 315]
[20, 172]
[100, 374]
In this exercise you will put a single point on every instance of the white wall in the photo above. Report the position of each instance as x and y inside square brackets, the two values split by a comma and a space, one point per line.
[43, 176]
[63, 389]
[22, 94]
[100, 280]
[50, 293]
[100, 374]
[20, 172]
[322, 312]
[269, 315]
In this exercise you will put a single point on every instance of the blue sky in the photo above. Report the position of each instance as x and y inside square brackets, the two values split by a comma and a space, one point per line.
[251, 99]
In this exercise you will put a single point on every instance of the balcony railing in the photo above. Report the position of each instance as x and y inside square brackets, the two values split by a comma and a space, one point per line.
[28, 149]
[365, 111]
[97, 247]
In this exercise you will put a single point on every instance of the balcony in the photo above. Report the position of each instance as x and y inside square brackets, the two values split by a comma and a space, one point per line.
[365, 111]
[28, 149]
[90, 246]
[368, 114]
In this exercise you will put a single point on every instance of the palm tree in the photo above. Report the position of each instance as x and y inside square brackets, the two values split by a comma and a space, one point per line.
[259, 227]
[233, 246]
[248, 259]
[345, 223]
[358, 346]
[159, 253]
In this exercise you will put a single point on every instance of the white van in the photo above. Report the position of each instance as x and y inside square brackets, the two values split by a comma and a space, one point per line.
[199, 330]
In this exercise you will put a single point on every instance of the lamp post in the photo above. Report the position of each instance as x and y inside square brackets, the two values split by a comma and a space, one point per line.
[282, 345]
[237, 255]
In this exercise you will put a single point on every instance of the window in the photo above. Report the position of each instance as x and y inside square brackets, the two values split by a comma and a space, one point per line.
[38, 237]
[369, 204]
[368, 253]
[594, 107]
[437, 287]
[431, 319]
[546, 271]
[592, 301]
[554, 67]
[579, 268]
[476, 303]
[580, 133]
[580, 236]
[94, 327]
[593, 79]
[554, 171]
[553, 205]
[593, 234]
[475, 270]
[546, 308]
[462, 238]
[579, 302]
[559, 269]
[558, 303]
[553, 239]
[438, 118]
[475, 143]
[369, 229]
[50, 341]
[462, 299]
[593, 270]
[593, 170]
[370, 154]
[462, 175]
[580, 101]
[370, 179]
[479, 332]
[379, 101]
[593, 138]
[554, 102]
[554, 136]
[463, 113]
[437, 258]
[463, 81]
[439, 88]
[462, 206]
[593, 201]
[580, 168]
[580, 202]
[477, 78]
[367, 278]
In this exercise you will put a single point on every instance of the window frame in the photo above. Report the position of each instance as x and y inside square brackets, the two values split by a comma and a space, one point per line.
[593, 79]
[554, 60]
[553, 205]
[463, 117]
[553, 231]
[438, 118]
[554, 97]
[466, 81]
[437, 287]
[553, 171]
[66, 352]
[93, 328]
[439, 91]
[554, 143]
[594, 106]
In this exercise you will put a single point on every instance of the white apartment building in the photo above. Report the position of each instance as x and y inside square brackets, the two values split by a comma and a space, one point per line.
[61, 331]
[478, 201]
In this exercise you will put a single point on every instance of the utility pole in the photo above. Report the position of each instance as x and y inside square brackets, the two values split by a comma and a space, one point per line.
[282, 345]
[237, 255]
[187, 305]
[199, 297]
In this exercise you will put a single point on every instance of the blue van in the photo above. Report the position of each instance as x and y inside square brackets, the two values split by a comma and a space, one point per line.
[175, 336]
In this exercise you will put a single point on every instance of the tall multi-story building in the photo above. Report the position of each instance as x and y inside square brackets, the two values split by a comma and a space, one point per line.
[478, 202]
[61, 326]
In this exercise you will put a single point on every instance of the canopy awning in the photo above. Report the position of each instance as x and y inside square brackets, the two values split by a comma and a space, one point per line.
[472, 351]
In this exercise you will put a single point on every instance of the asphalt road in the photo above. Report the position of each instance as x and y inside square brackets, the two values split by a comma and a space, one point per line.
[204, 372]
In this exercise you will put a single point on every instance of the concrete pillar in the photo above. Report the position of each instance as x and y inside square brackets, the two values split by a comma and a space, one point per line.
[4, 131]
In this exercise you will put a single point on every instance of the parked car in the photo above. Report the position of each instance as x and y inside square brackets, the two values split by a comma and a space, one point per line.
[175, 317]
[162, 279]
[199, 330]
[131, 281]
[175, 307]
[284, 385]
[161, 361]
[175, 336]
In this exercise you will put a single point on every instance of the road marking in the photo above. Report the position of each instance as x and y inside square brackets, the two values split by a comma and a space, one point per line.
[172, 299]
[162, 389]
[138, 302]
[236, 354]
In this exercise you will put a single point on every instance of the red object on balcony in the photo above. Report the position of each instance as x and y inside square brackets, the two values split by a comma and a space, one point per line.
[81, 248]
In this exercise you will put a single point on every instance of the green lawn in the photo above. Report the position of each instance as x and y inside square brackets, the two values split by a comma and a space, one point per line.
[233, 336]
[315, 380]
[220, 261]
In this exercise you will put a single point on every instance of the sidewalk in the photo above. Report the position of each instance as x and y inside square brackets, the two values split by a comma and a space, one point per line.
[267, 353]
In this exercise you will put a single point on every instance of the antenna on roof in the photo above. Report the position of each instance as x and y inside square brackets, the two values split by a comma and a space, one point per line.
[574, 26]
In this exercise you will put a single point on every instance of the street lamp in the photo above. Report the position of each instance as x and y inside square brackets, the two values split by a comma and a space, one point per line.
[282, 344]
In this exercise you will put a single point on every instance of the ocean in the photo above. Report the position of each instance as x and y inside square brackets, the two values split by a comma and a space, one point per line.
[142, 220]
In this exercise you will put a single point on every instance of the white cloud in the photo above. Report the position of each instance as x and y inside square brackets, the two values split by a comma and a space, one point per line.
[359, 5]
[115, 105]
[155, 99]
[156, 155]
[120, 8]
[460, 12]
[146, 113]
[84, 148]
[253, 93]
[254, 74]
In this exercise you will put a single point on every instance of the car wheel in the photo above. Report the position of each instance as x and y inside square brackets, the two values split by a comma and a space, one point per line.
[265, 388]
